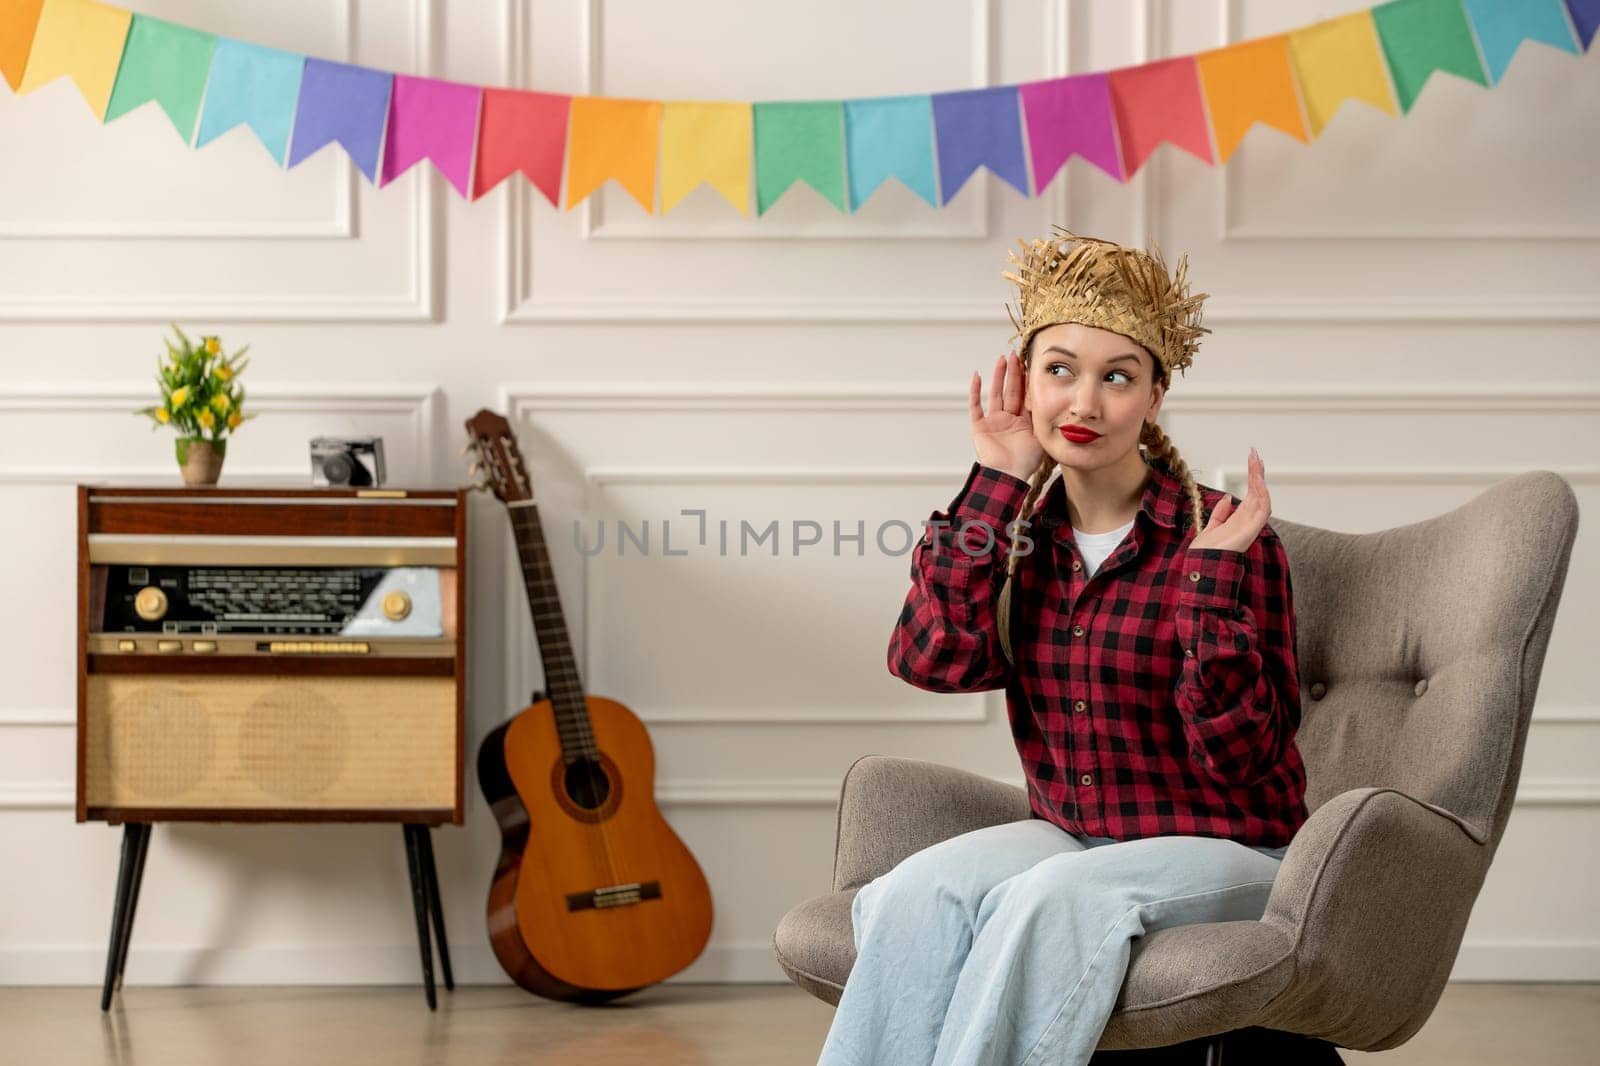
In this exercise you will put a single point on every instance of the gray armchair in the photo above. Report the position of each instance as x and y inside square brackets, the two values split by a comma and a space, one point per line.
[1420, 650]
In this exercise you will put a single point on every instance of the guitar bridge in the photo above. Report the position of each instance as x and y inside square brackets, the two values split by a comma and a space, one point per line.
[613, 896]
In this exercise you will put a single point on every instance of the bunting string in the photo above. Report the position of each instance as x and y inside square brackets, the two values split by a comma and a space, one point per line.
[931, 143]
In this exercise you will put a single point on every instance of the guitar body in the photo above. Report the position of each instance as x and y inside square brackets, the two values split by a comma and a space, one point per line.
[594, 895]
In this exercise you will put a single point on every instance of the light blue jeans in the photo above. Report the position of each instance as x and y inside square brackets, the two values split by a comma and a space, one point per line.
[1008, 945]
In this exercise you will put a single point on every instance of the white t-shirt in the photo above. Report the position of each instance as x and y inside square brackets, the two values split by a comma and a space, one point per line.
[1096, 546]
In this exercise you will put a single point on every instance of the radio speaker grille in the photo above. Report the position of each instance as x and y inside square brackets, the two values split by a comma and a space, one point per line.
[204, 741]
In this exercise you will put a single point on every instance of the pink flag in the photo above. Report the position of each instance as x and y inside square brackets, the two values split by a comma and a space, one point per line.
[1158, 102]
[1067, 115]
[431, 119]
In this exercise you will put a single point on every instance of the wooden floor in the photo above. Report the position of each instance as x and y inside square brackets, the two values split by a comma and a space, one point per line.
[695, 1025]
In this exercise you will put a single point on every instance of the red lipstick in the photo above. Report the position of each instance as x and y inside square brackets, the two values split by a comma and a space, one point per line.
[1079, 434]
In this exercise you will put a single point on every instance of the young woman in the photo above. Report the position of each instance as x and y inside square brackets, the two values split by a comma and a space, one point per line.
[1142, 626]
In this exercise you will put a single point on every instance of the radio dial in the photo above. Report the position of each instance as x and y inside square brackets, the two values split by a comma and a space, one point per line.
[150, 604]
[396, 606]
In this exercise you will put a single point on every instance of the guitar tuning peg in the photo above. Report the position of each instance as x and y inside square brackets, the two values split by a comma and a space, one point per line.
[470, 446]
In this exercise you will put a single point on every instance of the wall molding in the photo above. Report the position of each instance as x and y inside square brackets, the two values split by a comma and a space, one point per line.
[423, 403]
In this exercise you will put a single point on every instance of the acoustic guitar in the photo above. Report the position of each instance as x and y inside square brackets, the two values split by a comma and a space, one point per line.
[594, 896]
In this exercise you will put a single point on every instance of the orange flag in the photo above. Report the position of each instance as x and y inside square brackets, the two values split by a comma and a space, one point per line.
[1248, 83]
[613, 138]
[18, 20]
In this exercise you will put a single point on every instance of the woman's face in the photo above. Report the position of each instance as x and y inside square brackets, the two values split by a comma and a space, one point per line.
[1085, 376]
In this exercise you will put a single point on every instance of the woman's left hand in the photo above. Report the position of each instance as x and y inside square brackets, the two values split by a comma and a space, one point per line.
[1235, 529]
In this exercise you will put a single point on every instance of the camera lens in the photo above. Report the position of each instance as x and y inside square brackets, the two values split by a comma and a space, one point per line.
[337, 469]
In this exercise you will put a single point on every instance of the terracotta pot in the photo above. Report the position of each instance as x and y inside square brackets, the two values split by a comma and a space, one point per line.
[200, 459]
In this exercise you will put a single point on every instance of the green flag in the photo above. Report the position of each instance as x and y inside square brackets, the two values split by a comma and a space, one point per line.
[167, 63]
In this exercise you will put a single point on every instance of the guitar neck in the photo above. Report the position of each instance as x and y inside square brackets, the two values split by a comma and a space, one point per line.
[562, 680]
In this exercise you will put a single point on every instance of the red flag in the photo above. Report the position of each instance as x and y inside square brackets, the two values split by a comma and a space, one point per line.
[1158, 102]
[526, 131]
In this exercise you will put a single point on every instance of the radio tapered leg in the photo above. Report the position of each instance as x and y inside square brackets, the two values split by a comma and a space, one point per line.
[128, 874]
[141, 849]
[419, 903]
[431, 872]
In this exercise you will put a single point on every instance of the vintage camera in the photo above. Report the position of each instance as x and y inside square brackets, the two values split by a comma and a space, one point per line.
[347, 461]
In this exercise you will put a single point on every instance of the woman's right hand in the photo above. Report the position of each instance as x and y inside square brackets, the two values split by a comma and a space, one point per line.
[1004, 436]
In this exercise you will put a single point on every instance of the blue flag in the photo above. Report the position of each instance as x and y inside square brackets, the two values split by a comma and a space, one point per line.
[889, 137]
[254, 85]
[339, 102]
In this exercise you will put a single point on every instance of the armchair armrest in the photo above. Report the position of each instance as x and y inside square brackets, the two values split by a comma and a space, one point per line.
[1374, 893]
[891, 807]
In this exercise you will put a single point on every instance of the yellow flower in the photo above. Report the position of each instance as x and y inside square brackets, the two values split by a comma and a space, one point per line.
[163, 415]
[223, 372]
[213, 346]
[220, 402]
[180, 396]
[234, 419]
[206, 419]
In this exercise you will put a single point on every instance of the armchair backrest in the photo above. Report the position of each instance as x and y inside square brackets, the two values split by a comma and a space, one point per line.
[1421, 647]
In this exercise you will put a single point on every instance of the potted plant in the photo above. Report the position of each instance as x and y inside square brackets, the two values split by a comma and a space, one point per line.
[202, 398]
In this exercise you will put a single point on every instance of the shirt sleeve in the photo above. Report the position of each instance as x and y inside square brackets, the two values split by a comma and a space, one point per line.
[947, 638]
[1239, 690]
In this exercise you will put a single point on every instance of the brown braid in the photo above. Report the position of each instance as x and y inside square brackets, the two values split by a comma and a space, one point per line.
[1157, 443]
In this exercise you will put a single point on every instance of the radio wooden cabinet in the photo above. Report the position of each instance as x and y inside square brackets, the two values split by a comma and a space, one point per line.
[271, 655]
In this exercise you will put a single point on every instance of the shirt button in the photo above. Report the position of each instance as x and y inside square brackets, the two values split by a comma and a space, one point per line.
[1077, 631]
[1189, 652]
[1078, 706]
[1086, 780]
[1194, 575]
[1077, 564]
[1317, 690]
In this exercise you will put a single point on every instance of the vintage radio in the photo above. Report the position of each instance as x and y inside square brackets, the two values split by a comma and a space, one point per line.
[255, 654]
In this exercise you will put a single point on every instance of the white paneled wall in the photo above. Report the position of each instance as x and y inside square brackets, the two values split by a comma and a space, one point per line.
[1403, 313]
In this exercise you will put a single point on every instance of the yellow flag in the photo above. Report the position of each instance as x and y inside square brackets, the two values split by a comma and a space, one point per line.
[611, 138]
[1249, 83]
[83, 40]
[1338, 60]
[705, 142]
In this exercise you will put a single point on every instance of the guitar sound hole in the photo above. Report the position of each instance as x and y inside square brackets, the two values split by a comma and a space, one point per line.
[586, 783]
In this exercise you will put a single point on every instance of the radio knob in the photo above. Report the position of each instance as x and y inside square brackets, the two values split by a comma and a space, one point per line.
[396, 606]
[150, 604]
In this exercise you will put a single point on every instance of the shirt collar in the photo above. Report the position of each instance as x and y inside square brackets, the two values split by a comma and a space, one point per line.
[1163, 501]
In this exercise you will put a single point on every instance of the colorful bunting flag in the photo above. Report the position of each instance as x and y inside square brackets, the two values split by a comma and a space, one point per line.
[1585, 18]
[18, 20]
[81, 39]
[705, 142]
[613, 138]
[1422, 36]
[1249, 83]
[889, 137]
[434, 120]
[1502, 25]
[979, 127]
[167, 63]
[1336, 60]
[800, 140]
[524, 131]
[1157, 102]
[845, 150]
[253, 85]
[1067, 116]
[343, 103]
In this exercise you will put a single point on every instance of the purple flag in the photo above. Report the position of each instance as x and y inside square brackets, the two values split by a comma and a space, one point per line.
[339, 102]
[979, 127]
[1067, 115]
[432, 119]
[1585, 16]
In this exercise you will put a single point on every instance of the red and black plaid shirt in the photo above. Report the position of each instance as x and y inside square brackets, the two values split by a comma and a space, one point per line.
[1159, 697]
